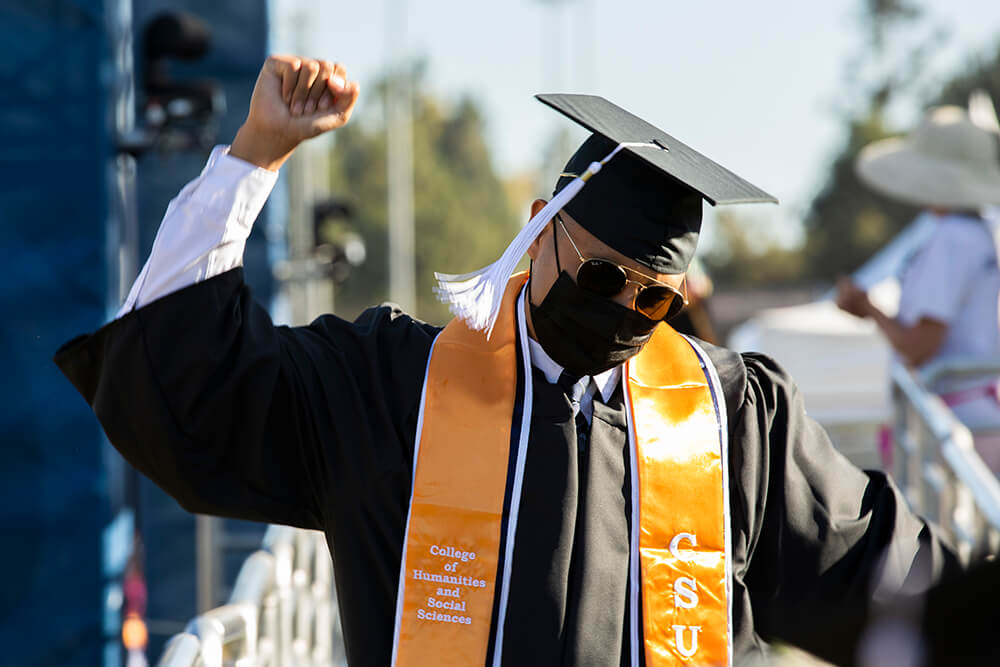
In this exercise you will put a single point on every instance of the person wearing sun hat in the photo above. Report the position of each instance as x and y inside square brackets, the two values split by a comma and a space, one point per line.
[949, 289]
[555, 477]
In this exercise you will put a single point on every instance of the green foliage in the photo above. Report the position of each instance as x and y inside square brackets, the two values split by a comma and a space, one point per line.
[462, 216]
[881, 16]
[984, 75]
[742, 257]
[847, 221]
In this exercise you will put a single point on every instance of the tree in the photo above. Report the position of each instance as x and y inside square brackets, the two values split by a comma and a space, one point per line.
[463, 218]
[981, 75]
[744, 257]
[847, 222]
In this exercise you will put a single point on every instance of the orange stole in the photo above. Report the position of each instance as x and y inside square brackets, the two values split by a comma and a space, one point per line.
[682, 505]
[448, 576]
[453, 532]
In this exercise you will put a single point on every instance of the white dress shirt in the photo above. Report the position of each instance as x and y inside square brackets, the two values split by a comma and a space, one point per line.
[205, 228]
[204, 232]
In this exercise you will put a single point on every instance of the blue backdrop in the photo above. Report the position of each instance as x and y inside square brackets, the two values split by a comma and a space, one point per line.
[61, 484]
[54, 499]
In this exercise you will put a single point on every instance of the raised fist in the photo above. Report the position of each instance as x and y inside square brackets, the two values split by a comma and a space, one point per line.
[294, 99]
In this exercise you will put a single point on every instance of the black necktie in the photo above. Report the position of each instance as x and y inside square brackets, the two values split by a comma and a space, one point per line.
[574, 390]
[598, 574]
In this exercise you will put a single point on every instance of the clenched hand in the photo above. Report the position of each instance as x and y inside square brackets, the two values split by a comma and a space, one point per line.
[294, 99]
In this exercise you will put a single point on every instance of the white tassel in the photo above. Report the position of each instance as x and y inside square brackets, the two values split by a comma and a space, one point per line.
[475, 297]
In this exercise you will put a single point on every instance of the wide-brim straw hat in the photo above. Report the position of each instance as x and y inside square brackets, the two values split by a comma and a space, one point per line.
[946, 162]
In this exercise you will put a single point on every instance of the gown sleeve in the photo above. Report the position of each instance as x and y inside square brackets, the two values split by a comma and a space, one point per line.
[234, 416]
[816, 539]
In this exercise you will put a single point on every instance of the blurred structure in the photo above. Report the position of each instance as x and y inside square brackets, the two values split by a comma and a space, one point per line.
[937, 466]
[66, 537]
[178, 114]
[323, 254]
[399, 160]
[840, 364]
[281, 611]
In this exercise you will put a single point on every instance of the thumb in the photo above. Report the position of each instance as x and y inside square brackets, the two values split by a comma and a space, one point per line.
[345, 95]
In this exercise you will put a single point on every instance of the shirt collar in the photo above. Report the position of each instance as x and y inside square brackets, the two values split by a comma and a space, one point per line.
[606, 381]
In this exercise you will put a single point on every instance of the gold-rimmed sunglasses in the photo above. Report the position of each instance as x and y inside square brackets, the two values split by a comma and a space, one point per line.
[657, 301]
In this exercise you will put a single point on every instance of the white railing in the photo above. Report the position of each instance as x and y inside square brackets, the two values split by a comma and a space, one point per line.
[936, 464]
[281, 611]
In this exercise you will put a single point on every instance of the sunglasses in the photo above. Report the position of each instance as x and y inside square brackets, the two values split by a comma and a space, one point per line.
[605, 278]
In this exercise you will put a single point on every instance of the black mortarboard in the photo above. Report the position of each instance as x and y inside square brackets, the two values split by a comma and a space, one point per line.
[645, 202]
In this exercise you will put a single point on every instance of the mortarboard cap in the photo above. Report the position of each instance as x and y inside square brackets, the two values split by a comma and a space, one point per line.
[675, 160]
[646, 202]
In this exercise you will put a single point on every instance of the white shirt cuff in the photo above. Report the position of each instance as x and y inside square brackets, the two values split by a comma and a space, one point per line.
[205, 228]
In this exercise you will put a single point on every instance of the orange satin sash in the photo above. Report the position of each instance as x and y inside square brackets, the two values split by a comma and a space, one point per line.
[682, 537]
[460, 475]
[451, 553]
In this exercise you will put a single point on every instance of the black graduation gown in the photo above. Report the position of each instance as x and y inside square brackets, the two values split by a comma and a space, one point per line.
[314, 427]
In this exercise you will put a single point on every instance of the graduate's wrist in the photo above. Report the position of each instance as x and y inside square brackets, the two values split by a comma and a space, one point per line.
[261, 151]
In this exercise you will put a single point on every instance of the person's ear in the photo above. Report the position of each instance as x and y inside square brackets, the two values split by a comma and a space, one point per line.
[536, 245]
[537, 206]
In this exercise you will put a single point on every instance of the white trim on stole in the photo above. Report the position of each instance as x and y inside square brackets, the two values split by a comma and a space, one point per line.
[633, 552]
[515, 495]
[715, 385]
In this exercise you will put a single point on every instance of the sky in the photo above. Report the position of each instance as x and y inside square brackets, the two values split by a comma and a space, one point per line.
[758, 87]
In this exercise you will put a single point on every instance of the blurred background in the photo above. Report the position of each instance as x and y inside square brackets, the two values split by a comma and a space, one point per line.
[110, 106]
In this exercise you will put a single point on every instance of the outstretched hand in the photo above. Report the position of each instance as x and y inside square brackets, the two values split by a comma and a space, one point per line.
[293, 100]
[852, 299]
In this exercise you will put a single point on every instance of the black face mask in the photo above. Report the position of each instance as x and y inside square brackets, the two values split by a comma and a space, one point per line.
[585, 333]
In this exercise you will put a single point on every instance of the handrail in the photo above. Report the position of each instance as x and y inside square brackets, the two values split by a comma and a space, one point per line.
[938, 369]
[181, 650]
[939, 461]
[281, 611]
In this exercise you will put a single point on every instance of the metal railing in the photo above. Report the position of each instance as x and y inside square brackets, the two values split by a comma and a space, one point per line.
[937, 466]
[281, 611]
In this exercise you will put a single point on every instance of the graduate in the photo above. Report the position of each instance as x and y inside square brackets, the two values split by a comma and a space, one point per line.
[554, 478]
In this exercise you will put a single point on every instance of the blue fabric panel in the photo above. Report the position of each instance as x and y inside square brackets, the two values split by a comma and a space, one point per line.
[53, 214]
